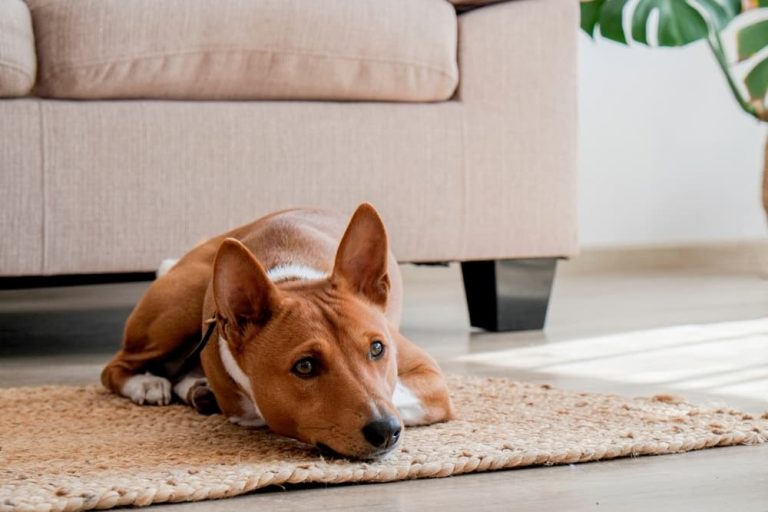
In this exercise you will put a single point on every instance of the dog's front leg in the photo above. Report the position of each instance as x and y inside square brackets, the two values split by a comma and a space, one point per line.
[421, 395]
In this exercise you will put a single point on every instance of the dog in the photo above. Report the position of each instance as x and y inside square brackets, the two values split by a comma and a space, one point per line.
[302, 318]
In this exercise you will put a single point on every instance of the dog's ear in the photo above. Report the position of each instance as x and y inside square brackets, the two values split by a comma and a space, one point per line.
[361, 260]
[244, 295]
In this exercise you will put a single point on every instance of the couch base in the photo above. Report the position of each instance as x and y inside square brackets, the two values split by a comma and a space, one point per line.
[502, 295]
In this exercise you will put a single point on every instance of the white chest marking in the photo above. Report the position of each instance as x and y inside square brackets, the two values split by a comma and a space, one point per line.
[409, 405]
[291, 271]
[251, 414]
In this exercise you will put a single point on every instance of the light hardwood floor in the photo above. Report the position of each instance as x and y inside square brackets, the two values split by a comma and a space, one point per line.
[593, 297]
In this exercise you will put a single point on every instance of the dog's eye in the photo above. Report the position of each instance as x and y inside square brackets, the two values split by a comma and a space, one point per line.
[306, 367]
[377, 350]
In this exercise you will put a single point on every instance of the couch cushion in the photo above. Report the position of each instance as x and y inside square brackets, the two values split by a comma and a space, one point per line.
[17, 49]
[400, 50]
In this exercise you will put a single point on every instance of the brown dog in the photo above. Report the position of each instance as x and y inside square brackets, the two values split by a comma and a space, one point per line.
[304, 317]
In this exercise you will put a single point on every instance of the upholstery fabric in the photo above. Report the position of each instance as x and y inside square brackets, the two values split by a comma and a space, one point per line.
[116, 186]
[398, 50]
[21, 188]
[519, 85]
[130, 183]
[18, 63]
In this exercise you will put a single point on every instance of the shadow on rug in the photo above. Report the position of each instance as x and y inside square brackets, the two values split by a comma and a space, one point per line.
[79, 448]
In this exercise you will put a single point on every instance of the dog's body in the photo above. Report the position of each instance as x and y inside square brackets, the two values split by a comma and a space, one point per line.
[305, 338]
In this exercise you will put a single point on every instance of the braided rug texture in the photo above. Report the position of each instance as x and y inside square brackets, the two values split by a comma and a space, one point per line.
[80, 448]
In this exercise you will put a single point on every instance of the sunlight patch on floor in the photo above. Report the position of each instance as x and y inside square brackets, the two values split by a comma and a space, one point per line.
[726, 358]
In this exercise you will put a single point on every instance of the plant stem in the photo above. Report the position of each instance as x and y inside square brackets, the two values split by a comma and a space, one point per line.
[716, 45]
[765, 180]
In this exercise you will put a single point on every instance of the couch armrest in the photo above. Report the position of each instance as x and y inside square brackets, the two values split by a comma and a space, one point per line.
[520, 51]
[518, 90]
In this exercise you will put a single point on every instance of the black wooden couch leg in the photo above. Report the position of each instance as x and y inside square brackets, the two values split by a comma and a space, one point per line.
[508, 295]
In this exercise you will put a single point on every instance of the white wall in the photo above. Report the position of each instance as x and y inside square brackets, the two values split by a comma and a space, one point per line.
[667, 156]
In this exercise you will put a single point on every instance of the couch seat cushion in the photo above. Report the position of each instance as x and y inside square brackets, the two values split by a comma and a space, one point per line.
[17, 49]
[398, 50]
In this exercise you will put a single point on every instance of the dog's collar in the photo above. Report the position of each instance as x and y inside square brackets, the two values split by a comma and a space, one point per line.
[191, 359]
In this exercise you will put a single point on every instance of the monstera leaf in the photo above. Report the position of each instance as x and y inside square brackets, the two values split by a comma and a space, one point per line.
[590, 14]
[657, 22]
[742, 56]
[750, 58]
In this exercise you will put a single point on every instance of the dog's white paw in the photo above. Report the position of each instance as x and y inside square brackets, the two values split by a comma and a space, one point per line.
[181, 388]
[148, 389]
[409, 405]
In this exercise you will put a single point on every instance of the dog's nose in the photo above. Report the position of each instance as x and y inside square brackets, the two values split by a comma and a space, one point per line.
[382, 433]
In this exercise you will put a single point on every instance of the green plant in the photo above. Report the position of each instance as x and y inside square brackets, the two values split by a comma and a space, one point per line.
[735, 30]
[680, 22]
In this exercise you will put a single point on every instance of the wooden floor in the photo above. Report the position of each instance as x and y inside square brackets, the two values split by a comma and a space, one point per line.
[65, 335]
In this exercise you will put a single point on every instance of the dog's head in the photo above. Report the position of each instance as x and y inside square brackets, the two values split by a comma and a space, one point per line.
[319, 355]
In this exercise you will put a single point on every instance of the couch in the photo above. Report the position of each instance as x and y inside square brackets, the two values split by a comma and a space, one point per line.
[130, 131]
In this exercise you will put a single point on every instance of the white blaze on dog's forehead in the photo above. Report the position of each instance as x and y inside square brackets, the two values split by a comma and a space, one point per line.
[291, 271]
[242, 380]
[408, 404]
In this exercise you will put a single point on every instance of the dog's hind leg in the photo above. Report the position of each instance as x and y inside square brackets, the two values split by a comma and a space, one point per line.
[163, 326]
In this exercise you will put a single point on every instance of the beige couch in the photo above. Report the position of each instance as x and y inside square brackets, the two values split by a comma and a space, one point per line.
[129, 131]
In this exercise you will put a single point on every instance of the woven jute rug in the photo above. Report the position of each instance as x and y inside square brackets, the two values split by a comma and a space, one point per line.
[80, 448]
